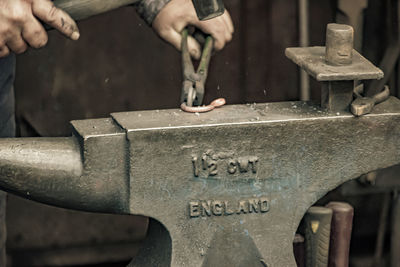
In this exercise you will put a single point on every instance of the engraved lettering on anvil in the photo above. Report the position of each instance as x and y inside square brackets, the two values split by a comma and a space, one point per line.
[211, 164]
[208, 208]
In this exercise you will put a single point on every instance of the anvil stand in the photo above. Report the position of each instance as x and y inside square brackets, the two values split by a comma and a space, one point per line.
[226, 188]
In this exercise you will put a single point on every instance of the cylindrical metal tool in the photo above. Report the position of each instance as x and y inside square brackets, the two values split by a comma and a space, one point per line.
[299, 250]
[342, 224]
[208, 9]
[317, 234]
[339, 44]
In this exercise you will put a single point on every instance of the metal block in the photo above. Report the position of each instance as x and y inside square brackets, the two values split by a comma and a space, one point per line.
[312, 60]
[337, 65]
[226, 188]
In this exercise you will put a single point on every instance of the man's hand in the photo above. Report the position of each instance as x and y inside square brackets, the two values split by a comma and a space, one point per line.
[177, 14]
[20, 26]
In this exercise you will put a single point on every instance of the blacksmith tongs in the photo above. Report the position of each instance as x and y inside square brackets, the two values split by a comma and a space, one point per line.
[363, 105]
[193, 82]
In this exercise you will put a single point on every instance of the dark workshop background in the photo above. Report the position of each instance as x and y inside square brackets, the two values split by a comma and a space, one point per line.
[119, 64]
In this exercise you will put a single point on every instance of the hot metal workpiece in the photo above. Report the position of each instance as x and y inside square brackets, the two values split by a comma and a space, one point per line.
[226, 188]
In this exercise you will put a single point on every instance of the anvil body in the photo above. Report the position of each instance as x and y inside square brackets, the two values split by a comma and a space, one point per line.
[228, 187]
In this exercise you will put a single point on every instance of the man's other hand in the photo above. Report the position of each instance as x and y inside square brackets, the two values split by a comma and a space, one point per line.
[178, 14]
[20, 26]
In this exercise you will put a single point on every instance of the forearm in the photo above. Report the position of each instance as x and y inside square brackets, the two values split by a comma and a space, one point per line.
[148, 9]
[82, 9]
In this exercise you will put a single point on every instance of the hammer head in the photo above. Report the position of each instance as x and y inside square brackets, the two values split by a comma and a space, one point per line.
[208, 9]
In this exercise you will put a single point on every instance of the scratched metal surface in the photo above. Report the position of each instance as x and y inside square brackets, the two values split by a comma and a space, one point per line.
[312, 60]
[226, 188]
[230, 114]
[301, 152]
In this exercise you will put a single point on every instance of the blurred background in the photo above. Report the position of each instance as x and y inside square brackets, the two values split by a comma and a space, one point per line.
[119, 64]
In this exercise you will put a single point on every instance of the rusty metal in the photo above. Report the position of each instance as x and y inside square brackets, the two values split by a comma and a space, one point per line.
[226, 187]
[219, 102]
[337, 66]
[193, 82]
[317, 222]
[208, 9]
[363, 105]
[341, 227]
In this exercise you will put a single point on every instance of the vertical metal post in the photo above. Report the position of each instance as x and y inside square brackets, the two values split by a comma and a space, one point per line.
[395, 232]
[304, 42]
[337, 95]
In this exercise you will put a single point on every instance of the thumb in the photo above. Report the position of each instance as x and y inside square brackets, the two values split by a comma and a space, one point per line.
[194, 48]
[175, 38]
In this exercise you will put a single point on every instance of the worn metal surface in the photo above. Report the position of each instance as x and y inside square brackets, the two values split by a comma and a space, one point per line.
[363, 105]
[337, 66]
[312, 60]
[339, 44]
[52, 169]
[230, 186]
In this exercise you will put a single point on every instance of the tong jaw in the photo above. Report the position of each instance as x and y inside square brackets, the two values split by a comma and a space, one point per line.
[193, 81]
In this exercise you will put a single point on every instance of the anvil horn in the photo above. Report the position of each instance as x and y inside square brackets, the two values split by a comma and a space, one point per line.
[51, 170]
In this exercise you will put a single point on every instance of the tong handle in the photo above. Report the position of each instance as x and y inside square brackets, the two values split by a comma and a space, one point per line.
[193, 82]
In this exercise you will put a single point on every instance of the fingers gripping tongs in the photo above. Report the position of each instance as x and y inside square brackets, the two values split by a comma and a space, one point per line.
[193, 82]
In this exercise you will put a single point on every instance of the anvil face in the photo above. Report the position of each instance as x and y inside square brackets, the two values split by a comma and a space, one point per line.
[229, 187]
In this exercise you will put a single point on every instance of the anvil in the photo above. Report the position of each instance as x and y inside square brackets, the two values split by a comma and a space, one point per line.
[225, 188]
[229, 187]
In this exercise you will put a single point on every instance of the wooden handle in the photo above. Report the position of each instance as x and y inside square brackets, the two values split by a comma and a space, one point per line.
[342, 224]
[317, 234]
[82, 9]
